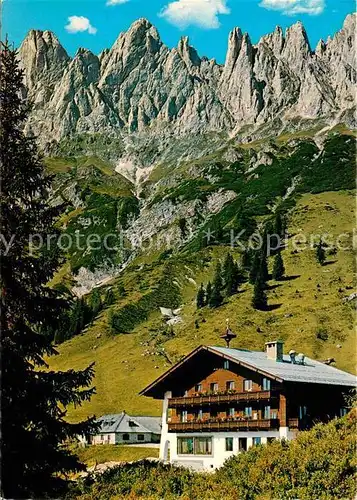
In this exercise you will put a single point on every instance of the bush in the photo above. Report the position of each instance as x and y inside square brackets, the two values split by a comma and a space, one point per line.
[320, 463]
[322, 334]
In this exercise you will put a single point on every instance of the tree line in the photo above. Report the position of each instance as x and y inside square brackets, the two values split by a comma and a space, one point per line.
[253, 268]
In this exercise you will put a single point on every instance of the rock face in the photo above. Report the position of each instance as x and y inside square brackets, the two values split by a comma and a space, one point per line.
[140, 85]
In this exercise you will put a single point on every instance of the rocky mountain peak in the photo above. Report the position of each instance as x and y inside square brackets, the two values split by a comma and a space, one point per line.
[42, 56]
[188, 53]
[273, 41]
[140, 85]
[350, 22]
[296, 47]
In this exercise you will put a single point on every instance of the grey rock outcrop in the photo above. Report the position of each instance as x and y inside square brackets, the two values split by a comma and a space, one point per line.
[142, 86]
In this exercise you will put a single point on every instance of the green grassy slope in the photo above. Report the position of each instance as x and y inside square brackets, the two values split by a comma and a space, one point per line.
[127, 363]
[100, 454]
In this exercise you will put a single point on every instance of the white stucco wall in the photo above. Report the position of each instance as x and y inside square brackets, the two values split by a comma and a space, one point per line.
[219, 453]
[103, 439]
[117, 438]
[168, 444]
[133, 438]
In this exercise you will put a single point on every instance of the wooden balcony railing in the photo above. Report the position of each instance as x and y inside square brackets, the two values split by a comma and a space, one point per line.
[210, 399]
[227, 425]
[294, 423]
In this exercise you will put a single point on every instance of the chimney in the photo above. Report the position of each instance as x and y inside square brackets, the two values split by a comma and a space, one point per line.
[274, 350]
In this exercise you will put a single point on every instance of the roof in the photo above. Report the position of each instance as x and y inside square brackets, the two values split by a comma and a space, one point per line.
[313, 372]
[125, 423]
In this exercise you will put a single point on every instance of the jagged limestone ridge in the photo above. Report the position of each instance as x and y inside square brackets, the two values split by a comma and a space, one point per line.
[140, 85]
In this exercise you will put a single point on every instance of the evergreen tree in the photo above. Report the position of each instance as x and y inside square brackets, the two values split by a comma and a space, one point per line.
[95, 303]
[76, 323]
[254, 268]
[278, 269]
[320, 253]
[217, 280]
[228, 274]
[33, 399]
[239, 275]
[216, 298]
[279, 225]
[200, 300]
[247, 259]
[231, 276]
[259, 300]
[109, 297]
[247, 224]
[259, 267]
[263, 268]
[208, 292]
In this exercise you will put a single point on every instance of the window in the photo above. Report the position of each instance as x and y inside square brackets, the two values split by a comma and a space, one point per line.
[248, 411]
[126, 437]
[226, 364]
[184, 416]
[271, 440]
[231, 412]
[214, 387]
[213, 413]
[199, 415]
[266, 411]
[256, 441]
[230, 386]
[273, 414]
[229, 444]
[194, 445]
[302, 411]
[248, 385]
[198, 388]
[266, 384]
[102, 437]
[242, 444]
[141, 437]
[203, 445]
[132, 424]
[343, 412]
[185, 446]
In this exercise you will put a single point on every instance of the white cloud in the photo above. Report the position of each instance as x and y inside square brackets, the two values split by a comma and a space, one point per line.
[293, 7]
[78, 24]
[116, 2]
[202, 13]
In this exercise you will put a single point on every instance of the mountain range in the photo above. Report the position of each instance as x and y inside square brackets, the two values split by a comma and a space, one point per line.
[161, 147]
[142, 87]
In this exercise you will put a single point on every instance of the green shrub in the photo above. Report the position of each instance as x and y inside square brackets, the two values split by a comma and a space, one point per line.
[319, 464]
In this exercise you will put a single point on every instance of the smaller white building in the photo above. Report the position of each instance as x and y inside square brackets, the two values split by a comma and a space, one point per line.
[125, 429]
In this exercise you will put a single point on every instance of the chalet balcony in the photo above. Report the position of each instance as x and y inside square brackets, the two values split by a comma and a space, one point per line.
[226, 398]
[216, 425]
[298, 424]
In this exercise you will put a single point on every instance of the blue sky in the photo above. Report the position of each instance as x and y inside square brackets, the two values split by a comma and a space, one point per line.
[95, 24]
